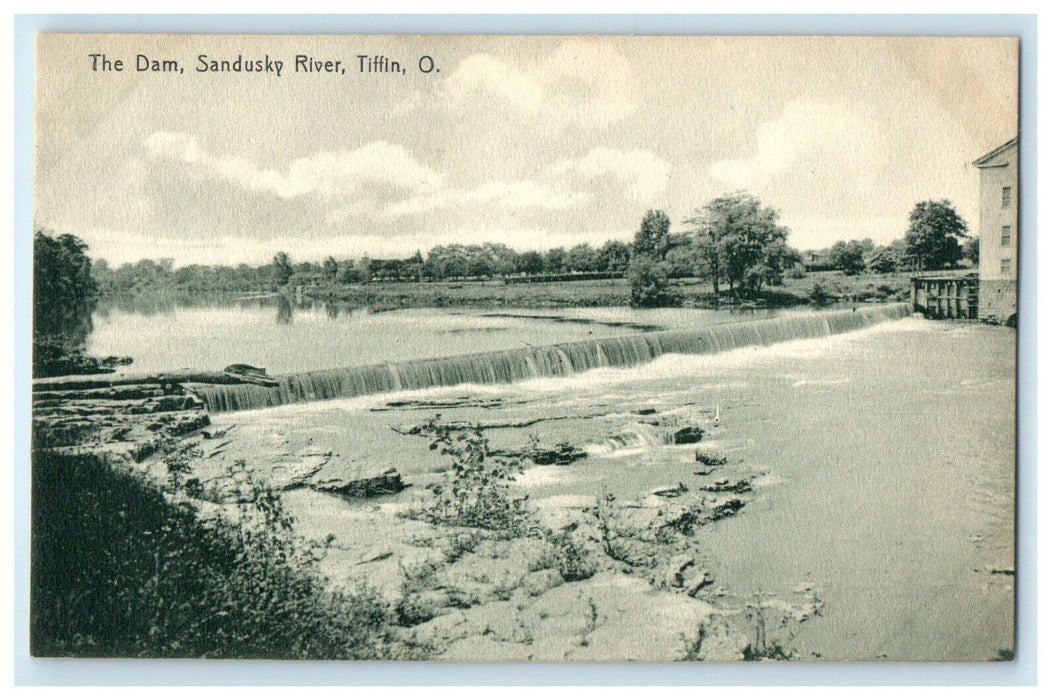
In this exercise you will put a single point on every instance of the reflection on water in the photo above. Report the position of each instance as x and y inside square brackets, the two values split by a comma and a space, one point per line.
[284, 311]
[166, 331]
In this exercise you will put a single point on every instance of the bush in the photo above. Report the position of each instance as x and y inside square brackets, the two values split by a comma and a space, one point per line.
[650, 285]
[119, 569]
[572, 559]
[478, 492]
[883, 260]
[818, 296]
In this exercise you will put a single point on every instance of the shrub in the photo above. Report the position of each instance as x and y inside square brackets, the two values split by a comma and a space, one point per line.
[882, 260]
[478, 492]
[571, 558]
[650, 285]
[119, 569]
[818, 296]
[774, 625]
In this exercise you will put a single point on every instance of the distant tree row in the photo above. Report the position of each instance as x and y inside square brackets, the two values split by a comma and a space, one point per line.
[446, 262]
[932, 242]
[161, 274]
[733, 241]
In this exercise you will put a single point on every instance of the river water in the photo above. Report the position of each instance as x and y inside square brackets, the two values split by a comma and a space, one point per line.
[884, 461]
[884, 458]
[284, 336]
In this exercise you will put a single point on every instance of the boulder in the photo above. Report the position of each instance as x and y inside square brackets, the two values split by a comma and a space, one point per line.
[388, 482]
[687, 436]
[726, 509]
[562, 453]
[710, 456]
[729, 486]
[680, 565]
[671, 491]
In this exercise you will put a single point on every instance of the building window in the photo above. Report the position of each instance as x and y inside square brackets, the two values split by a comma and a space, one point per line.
[1005, 235]
[1005, 197]
[1005, 265]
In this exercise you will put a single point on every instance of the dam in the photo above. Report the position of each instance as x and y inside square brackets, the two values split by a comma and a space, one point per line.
[513, 365]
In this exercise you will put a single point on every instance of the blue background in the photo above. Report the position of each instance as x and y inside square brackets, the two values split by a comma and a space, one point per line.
[1022, 671]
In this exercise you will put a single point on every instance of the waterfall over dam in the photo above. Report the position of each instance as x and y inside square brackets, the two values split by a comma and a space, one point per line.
[505, 366]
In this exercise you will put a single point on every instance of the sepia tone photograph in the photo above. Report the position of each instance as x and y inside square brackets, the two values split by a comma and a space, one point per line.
[525, 348]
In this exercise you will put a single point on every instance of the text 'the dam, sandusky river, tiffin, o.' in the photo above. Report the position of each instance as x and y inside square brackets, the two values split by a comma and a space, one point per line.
[266, 65]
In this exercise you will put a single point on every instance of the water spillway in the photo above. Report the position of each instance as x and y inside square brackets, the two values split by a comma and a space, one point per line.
[506, 366]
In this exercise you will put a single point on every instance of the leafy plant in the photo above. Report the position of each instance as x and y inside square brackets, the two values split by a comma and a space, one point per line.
[478, 492]
[570, 557]
[818, 296]
[121, 569]
[650, 284]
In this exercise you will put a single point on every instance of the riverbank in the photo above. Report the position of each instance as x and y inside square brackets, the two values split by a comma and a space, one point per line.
[833, 287]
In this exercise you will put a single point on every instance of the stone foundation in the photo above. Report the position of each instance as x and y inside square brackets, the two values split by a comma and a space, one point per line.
[998, 301]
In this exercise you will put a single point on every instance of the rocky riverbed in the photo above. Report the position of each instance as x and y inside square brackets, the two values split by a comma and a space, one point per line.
[850, 497]
[873, 471]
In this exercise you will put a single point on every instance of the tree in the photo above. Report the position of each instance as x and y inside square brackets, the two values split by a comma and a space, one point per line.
[64, 296]
[282, 269]
[555, 260]
[883, 259]
[614, 256]
[934, 230]
[970, 251]
[347, 273]
[330, 269]
[740, 241]
[582, 258]
[62, 281]
[849, 257]
[502, 260]
[777, 258]
[652, 240]
[530, 263]
[682, 261]
[650, 284]
[365, 270]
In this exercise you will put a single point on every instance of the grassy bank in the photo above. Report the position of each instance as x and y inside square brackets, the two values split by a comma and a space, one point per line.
[120, 568]
[820, 288]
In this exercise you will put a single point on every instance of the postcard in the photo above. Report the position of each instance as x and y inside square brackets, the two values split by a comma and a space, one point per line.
[525, 348]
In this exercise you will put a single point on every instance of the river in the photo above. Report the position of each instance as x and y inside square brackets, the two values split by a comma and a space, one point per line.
[883, 459]
[284, 335]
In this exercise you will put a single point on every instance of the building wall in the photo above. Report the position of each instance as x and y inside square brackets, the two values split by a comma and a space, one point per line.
[998, 300]
[995, 216]
[998, 256]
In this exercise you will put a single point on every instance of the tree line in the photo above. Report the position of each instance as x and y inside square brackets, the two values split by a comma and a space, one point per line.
[734, 242]
[932, 242]
[64, 295]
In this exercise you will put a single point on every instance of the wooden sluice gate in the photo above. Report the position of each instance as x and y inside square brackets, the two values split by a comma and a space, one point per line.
[945, 297]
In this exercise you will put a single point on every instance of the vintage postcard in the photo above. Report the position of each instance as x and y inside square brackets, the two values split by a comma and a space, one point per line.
[525, 348]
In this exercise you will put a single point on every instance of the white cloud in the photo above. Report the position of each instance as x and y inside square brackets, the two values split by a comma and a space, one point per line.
[327, 173]
[583, 81]
[484, 73]
[641, 173]
[504, 195]
[638, 175]
[808, 132]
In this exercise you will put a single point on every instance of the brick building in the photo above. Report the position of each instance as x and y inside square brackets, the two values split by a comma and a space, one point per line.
[998, 232]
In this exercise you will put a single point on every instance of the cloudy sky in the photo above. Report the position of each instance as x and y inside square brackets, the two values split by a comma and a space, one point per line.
[534, 142]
